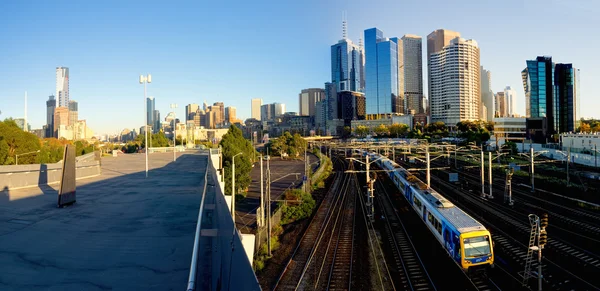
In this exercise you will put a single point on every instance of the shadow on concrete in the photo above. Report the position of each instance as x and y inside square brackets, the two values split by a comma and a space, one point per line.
[124, 227]
[43, 181]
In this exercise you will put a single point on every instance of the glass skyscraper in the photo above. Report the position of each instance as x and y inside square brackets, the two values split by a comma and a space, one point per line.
[551, 91]
[346, 65]
[150, 110]
[381, 72]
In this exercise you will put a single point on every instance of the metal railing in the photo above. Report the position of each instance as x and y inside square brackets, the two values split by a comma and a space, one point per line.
[194, 264]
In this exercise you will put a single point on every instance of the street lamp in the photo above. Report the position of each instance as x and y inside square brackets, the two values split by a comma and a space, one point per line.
[17, 156]
[173, 106]
[233, 188]
[144, 80]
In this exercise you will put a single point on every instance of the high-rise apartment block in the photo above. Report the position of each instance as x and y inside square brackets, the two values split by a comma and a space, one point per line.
[551, 92]
[267, 112]
[381, 73]
[256, 108]
[411, 72]
[62, 86]
[50, 107]
[454, 83]
[307, 100]
[487, 95]
[279, 109]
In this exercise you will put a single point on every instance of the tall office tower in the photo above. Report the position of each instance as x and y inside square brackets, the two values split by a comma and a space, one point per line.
[50, 107]
[199, 117]
[381, 73]
[150, 110]
[156, 121]
[62, 86]
[220, 112]
[361, 61]
[190, 111]
[346, 65]
[230, 114]
[455, 94]
[267, 112]
[217, 109]
[501, 105]
[487, 96]
[61, 117]
[256, 111]
[411, 72]
[436, 41]
[331, 101]
[279, 109]
[511, 98]
[538, 83]
[73, 112]
[307, 99]
[566, 88]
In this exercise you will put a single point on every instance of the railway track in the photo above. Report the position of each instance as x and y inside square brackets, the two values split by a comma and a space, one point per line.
[412, 272]
[510, 231]
[324, 257]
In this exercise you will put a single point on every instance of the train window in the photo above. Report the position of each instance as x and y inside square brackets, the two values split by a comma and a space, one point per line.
[430, 218]
[439, 227]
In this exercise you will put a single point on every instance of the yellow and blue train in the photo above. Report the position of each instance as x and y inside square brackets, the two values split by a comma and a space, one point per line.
[465, 239]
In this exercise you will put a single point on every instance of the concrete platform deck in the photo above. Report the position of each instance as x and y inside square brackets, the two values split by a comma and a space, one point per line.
[125, 232]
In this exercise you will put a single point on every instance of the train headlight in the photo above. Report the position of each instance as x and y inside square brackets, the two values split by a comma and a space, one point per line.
[466, 262]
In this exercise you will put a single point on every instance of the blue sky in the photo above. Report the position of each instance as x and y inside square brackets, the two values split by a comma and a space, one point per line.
[233, 51]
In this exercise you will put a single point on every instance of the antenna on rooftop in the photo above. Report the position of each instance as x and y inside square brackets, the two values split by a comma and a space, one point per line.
[344, 25]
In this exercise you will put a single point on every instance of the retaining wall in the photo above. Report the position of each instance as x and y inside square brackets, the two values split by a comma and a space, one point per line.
[24, 176]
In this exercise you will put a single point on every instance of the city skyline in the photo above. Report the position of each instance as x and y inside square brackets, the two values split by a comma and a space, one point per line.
[100, 80]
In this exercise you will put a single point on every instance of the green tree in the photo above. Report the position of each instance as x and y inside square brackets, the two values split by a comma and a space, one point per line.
[398, 129]
[232, 143]
[361, 131]
[14, 141]
[381, 130]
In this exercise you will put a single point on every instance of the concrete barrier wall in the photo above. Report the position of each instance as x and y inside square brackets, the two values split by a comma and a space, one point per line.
[24, 176]
[231, 262]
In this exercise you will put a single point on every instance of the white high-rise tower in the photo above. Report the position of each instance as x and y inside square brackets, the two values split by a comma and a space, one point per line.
[62, 86]
[455, 88]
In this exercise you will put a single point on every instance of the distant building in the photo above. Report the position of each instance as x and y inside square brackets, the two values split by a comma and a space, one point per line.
[331, 101]
[156, 124]
[487, 95]
[279, 109]
[454, 81]
[61, 117]
[347, 66]
[411, 72]
[73, 112]
[551, 92]
[230, 115]
[62, 86]
[50, 107]
[150, 111]
[307, 99]
[510, 128]
[501, 105]
[583, 142]
[511, 99]
[220, 113]
[267, 112]
[256, 108]
[190, 111]
[386, 120]
[351, 106]
[381, 71]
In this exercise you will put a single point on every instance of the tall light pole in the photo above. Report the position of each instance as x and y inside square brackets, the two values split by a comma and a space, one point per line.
[233, 188]
[173, 106]
[144, 80]
[17, 156]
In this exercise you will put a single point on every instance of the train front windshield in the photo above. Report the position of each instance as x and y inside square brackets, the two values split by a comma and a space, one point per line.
[477, 246]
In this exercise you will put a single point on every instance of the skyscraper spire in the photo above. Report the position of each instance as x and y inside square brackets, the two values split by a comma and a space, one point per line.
[344, 26]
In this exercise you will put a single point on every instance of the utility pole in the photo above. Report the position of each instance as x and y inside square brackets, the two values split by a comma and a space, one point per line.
[268, 205]
[595, 157]
[490, 173]
[482, 175]
[428, 168]
[568, 162]
[532, 169]
[262, 197]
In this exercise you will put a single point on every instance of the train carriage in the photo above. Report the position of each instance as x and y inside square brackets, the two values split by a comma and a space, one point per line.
[465, 239]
